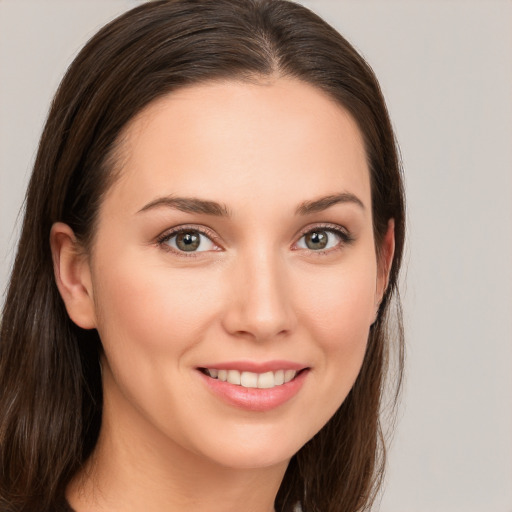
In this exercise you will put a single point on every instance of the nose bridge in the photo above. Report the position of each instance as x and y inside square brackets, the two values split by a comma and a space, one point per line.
[261, 304]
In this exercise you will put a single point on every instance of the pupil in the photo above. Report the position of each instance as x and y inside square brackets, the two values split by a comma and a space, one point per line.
[316, 240]
[188, 241]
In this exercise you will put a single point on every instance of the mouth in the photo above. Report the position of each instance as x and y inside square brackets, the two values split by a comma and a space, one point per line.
[245, 379]
[255, 387]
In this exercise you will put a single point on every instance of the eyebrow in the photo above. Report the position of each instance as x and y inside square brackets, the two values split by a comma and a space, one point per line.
[319, 205]
[202, 206]
[189, 205]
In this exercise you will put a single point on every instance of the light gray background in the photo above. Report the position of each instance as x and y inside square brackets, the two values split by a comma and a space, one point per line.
[446, 70]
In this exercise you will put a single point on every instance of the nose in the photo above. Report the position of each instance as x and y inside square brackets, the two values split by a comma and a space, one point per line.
[259, 302]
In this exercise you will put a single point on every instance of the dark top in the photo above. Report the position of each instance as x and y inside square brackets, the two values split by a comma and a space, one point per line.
[63, 506]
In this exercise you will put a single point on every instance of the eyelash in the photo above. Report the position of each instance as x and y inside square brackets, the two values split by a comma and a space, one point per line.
[168, 235]
[345, 238]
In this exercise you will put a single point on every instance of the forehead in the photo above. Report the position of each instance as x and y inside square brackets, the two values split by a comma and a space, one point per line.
[233, 141]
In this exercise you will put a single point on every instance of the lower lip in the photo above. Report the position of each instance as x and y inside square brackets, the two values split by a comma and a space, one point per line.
[255, 399]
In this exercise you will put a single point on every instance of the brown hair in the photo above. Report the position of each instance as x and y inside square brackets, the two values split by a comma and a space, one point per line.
[50, 382]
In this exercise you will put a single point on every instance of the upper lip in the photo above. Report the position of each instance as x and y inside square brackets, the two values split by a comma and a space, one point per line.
[256, 366]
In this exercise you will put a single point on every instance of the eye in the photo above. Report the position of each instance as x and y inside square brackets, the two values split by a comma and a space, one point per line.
[322, 239]
[189, 240]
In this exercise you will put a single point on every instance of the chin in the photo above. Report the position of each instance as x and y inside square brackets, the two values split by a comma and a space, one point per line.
[258, 458]
[256, 448]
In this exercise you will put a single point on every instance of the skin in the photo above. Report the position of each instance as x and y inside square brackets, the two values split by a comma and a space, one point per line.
[256, 292]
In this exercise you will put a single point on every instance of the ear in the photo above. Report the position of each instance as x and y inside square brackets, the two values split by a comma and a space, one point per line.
[385, 260]
[73, 276]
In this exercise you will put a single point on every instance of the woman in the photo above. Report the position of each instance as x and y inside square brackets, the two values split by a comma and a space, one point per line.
[198, 314]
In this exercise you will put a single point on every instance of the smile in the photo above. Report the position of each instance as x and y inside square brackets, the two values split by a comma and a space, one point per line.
[252, 390]
[266, 380]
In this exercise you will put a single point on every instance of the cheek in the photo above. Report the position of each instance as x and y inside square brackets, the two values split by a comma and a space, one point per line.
[150, 318]
[340, 310]
[153, 309]
[341, 305]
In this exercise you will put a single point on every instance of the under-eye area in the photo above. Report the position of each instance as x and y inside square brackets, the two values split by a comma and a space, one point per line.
[247, 379]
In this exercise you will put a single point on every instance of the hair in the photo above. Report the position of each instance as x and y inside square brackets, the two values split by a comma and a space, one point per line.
[50, 380]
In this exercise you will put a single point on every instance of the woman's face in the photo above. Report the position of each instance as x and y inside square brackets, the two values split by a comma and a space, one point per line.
[237, 243]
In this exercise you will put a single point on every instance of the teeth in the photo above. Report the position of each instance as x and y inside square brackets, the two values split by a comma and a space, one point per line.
[265, 380]
[234, 377]
[249, 380]
[289, 375]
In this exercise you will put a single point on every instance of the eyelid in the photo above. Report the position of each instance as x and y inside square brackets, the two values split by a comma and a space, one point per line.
[169, 233]
[342, 232]
[345, 235]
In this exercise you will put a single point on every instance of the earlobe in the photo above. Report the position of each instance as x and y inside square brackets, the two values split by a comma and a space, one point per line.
[73, 276]
[386, 254]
